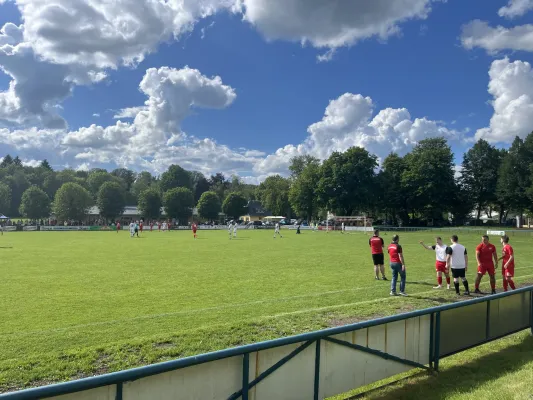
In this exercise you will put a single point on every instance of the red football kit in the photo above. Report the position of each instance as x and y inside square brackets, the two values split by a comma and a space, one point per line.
[507, 253]
[394, 253]
[376, 244]
[486, 261]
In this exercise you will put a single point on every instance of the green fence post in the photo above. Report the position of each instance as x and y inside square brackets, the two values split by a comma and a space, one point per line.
[317, 369]
[436, 356]
[245, 375]
[118, 395]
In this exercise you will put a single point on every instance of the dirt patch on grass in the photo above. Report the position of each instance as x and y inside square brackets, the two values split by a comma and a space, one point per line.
[164, 345]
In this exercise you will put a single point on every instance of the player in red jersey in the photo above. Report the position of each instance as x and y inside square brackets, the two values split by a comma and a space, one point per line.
[397, 265]
[159, 226]
[141, 226]
[194, 229]
[118, 226]
[508, 264]
[151, 226]
[376, 246]
[487, 261]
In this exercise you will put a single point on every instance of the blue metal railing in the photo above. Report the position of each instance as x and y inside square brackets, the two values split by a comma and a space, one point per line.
[118, 378]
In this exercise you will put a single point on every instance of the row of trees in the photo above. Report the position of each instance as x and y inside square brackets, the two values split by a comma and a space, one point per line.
[35, 192]
[418, 188]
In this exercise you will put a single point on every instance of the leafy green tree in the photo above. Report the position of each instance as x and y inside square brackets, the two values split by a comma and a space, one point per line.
[175, 177]
[127, 176]
[234, 205]
[219, 185]
[35, 204]
[347, 183]
[300, 163]
[200, 184]
[111, 200]
[5, 198]
[149, 204]
[393, 199]
[7, 161]
[17, 161]
[209, 206]
[144, 181]
[46, 165]
[479, 174]
[273, 193]
[72, 201]
[18, 183]
[302, 196]
[178, 203]
[429, 178]
[51, 185]
[96, 179]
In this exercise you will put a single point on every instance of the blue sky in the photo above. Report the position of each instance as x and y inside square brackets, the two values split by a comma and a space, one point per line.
[431, 65]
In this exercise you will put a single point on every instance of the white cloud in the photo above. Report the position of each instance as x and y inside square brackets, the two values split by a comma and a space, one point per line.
[31, 163]
[480, 34]
[107, 34]
[130, 112]
[516, 8]
[348, 122]
[96, 115]
[511, 85]
[331, 23]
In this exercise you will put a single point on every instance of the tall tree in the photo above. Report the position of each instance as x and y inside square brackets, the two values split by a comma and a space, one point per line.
[393, 197]
[46, 165]
[35, 203]
[234, 205]
[18, 183]
[299, 164]
[175, 177]
[302, 196]
[429, 178]
[200, 184]
[209, 206]
[111, 200]
[149, 204]
[126, 175]
[273, 193]
[144, 181]
[479, 174]
[5, 199]
[6, 161]
[72, 201]
[178, 203]
[96, 179]
[347, 183]
[17, 161]
[219, 185]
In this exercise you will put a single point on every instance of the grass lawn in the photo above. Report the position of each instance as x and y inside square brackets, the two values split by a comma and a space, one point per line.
[75, 304]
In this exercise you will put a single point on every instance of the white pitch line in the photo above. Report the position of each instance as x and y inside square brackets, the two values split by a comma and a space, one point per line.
[155, 316]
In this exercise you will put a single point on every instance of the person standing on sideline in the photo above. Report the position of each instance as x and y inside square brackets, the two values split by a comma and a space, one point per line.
[118, 226]
[508, 264]
[397, 265]
[376, 246]
[457, 261]
[342, 228]
[487, 261]
[440, 265]
[276, 231]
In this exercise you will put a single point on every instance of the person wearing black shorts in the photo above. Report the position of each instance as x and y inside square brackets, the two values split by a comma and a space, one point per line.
[376, 246]
[457, 261]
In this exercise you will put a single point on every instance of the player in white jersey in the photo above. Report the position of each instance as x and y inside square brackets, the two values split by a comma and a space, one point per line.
[132, 228]
[457, 260]
[277, 232]
[440, 266]
[343, 228]
[230, 229]
[164, 227]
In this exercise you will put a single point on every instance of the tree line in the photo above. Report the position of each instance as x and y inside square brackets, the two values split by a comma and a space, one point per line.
[418, 188]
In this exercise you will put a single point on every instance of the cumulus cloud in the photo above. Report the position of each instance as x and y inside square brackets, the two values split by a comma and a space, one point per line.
[480, 34]
[516, 8]
[331, 23]
[511, 85]
[348, 122]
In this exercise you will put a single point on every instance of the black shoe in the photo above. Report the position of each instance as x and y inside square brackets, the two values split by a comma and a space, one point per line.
[385, 278]
[477, 291]
[493, 292]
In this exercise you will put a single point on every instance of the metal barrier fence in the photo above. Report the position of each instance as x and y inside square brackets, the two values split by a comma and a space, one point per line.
[474, 230]
[313, 365]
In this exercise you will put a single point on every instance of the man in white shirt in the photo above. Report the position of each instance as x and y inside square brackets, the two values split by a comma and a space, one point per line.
[440, 264]
[132, 228]
[276, 231]
[457, 260]
[235, 230]
[230, 229]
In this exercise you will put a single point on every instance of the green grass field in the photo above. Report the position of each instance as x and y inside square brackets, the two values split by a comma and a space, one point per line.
[76, 304]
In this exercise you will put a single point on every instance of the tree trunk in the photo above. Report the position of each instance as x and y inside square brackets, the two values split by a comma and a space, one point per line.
[478, 213]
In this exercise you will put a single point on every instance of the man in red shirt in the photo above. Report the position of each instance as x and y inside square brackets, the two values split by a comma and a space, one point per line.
[487, 260]
[376, 246]
[141, 226]
[194, 229]
[397, 265]
[508, 264]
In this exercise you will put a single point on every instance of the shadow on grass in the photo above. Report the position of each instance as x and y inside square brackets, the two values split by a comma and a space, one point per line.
[420, 283]
[6, 247]
[462, 378]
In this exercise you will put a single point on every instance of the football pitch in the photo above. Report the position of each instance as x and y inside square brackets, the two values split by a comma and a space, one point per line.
[75, 304]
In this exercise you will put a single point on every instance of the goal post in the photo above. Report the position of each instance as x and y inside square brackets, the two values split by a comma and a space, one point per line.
[359, 223]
